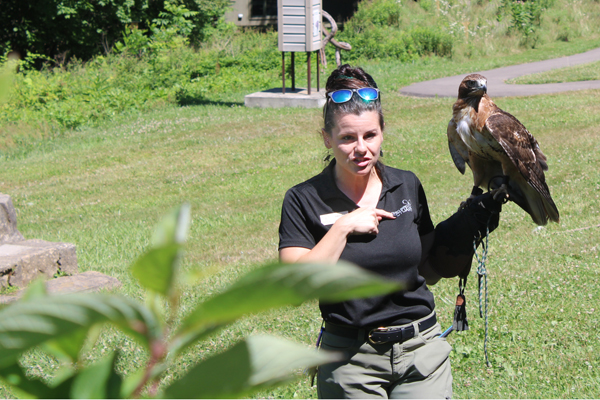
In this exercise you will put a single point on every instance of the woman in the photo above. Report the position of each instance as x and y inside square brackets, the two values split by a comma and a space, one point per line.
[377, 217]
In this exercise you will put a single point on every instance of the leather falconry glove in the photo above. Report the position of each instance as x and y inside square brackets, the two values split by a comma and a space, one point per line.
[452, 250]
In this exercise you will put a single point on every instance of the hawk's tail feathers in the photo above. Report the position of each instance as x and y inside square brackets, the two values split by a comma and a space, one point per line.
[541, 208]
[551, 209]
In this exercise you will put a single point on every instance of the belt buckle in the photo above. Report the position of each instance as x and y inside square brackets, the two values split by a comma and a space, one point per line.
[380, 329]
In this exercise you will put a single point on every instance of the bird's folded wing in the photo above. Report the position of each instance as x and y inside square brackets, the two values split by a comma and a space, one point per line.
[521, 147]
[458, 150]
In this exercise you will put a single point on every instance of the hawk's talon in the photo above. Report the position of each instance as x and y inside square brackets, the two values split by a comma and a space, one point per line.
[501, 194]
[476, 191]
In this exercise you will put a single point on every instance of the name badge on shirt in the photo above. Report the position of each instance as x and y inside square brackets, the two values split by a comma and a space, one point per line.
[329, 219]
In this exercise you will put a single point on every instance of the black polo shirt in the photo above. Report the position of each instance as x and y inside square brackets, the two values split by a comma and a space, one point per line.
[309, 210]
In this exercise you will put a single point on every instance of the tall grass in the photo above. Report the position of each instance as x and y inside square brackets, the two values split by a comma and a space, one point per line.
[469, 28]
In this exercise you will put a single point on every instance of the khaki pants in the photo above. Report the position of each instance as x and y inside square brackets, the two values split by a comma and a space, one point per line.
[417, 368]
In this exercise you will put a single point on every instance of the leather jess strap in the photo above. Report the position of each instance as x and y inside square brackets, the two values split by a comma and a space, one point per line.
[380, 335]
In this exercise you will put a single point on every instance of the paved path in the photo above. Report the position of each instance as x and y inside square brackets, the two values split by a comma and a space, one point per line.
[448, 87]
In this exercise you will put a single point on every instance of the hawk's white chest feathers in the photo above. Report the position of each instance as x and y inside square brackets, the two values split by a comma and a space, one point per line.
[476, 141]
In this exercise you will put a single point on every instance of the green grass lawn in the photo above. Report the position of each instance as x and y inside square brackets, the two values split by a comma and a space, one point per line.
[104, 189]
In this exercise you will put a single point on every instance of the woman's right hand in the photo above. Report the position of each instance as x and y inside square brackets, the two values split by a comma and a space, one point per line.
[363, 221]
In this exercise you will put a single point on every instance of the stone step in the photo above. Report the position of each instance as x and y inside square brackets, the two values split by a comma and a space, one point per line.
[90, 281]
[23, 261]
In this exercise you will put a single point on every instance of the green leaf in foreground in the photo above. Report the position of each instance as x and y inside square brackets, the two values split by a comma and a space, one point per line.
[26, 324]
[155, 269]
[36, 289]
[69, 345]
[255, 362]
[98, 381]
[173, 228]
[280, 285]
[31, 388]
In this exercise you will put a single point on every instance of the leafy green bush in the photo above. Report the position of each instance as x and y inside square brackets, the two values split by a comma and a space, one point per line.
[385, 43]
[7, 71]
[64, 29]
[141, 74]
[525, 17]
[383, 13]
[378, 31]
[66, 325]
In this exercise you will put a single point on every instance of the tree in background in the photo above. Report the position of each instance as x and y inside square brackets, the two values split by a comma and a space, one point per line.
[63, 29]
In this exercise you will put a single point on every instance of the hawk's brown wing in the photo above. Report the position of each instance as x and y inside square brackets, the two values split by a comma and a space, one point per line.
[458, 149]
[524, 151]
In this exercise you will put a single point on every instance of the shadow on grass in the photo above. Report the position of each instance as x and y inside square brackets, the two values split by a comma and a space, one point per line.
[200, 101]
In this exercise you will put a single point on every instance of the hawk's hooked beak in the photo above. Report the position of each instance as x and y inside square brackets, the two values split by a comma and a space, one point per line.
[482, 87]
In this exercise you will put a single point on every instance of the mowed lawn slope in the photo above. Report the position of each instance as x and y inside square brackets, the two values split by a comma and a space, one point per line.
[105, 188]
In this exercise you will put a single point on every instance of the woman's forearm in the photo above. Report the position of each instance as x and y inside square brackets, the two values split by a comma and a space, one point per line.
[327, 250]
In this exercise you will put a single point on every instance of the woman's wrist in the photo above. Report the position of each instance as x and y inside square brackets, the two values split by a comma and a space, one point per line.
[342, 227]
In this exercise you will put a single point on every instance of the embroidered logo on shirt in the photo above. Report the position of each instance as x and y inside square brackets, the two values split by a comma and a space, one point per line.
[406, 208]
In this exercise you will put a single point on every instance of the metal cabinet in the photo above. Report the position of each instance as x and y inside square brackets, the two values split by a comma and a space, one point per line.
[299, 25]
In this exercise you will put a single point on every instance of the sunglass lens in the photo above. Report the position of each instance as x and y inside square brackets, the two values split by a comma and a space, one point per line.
[341, 96]
[368, 93]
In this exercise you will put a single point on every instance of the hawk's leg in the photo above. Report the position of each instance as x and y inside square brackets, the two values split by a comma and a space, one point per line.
[500, 191]
[474, 193]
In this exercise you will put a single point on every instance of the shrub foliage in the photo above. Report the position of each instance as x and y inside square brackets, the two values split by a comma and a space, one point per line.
[182, 52]
[380, 30]
[63, 29]
[64, 326]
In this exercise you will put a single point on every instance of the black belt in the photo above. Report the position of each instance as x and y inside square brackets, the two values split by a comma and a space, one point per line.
[380, 335]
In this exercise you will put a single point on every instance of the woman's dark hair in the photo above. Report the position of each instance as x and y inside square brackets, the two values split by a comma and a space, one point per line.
[347, 77]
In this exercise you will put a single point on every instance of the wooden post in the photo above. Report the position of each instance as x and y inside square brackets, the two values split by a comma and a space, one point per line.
[308, 54]
[283, 72]
[293, 72]
[318, 71]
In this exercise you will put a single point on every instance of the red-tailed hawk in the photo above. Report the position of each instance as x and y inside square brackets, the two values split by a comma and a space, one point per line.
[500, 151]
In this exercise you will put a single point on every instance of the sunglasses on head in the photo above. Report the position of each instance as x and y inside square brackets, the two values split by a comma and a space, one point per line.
[344, 95]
